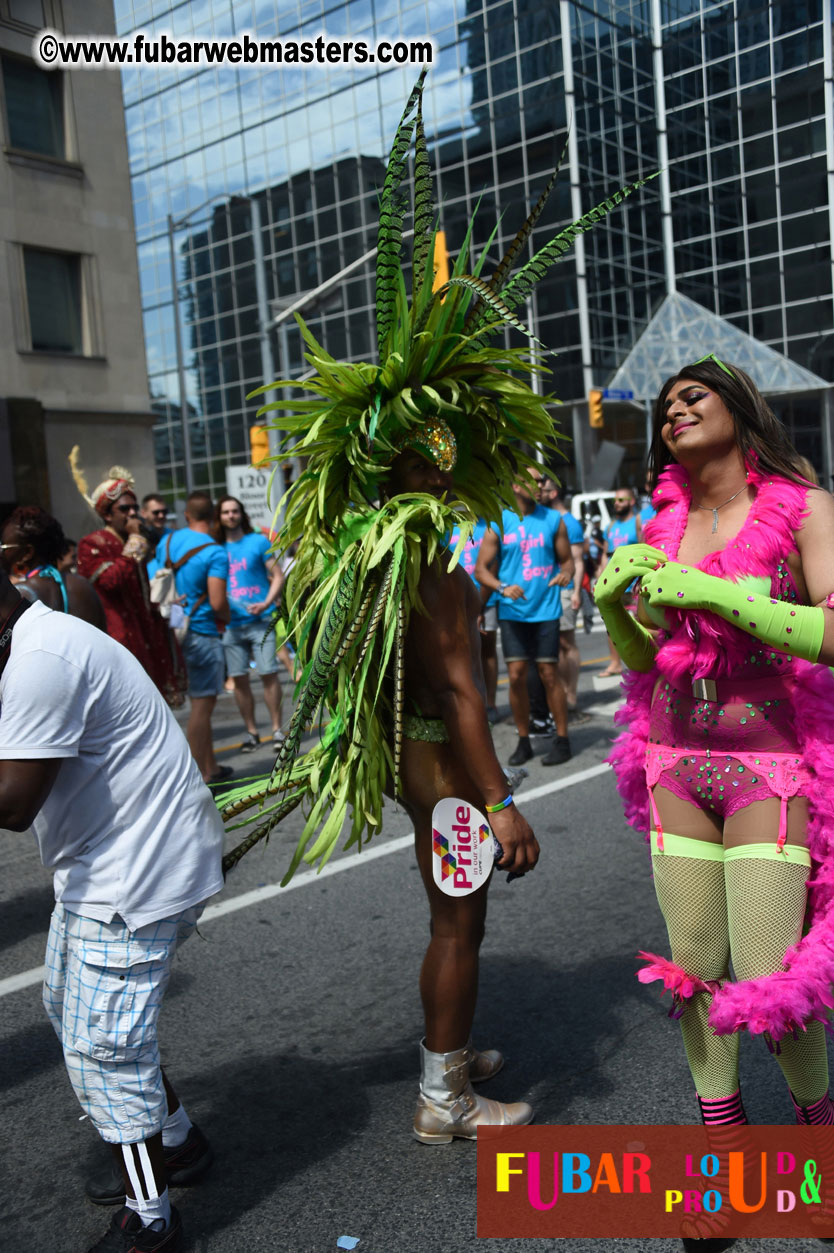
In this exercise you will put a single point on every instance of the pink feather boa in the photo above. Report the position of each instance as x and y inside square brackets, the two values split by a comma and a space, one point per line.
[705, 645]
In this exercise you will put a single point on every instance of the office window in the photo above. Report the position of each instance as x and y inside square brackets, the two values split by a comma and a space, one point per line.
[53, 294]
[34, 108]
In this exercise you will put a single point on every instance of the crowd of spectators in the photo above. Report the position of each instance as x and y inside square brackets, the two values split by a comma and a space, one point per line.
[534, 573]
[226, 590]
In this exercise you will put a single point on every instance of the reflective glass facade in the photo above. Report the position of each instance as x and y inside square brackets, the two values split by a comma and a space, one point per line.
[743, 84]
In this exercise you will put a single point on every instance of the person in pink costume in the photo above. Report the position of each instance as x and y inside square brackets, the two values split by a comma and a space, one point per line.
[727, 759]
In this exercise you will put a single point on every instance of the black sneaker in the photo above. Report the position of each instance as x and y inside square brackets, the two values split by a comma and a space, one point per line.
[250, 744]
[221, 775]
[127, 1235]
[559, 753]
[523, 752]
[539, 726]
[185, 1164]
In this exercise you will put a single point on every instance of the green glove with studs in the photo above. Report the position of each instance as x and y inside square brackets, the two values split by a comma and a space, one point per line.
[791, 628]
[632, 641]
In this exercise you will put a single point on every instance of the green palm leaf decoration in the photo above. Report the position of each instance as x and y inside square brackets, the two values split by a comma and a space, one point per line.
[489, 297]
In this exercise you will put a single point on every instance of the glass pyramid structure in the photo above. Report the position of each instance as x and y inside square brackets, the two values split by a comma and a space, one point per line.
[682, 331]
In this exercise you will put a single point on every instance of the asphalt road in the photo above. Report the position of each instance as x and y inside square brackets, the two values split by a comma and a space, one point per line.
[292, 1021]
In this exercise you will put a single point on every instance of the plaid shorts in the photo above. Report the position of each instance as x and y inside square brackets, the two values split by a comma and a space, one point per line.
[103, 991]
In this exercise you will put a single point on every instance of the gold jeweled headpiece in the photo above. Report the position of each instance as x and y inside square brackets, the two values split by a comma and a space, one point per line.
[436, 439]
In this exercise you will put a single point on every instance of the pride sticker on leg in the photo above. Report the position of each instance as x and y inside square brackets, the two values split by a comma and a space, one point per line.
[462, 847]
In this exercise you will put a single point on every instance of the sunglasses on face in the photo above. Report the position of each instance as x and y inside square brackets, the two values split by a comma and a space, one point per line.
[159, 513]
[128, 508]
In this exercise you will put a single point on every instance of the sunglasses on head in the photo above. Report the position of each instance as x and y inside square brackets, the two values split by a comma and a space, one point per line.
[710, 356]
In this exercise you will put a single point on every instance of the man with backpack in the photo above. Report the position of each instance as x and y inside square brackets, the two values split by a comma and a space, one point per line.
[200, 568]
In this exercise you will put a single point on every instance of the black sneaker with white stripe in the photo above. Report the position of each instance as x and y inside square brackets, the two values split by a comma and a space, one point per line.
[127, 1235]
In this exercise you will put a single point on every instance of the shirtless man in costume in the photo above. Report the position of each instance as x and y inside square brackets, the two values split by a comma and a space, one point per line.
[444, 680]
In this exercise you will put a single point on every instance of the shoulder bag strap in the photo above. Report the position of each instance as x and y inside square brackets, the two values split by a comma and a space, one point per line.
[192, 553]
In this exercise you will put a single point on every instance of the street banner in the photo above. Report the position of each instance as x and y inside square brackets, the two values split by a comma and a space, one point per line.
[250, 486]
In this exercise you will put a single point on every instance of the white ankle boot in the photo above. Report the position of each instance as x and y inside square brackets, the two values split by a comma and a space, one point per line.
[447, 1106]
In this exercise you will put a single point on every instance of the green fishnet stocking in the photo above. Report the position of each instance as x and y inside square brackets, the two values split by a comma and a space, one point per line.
[691, 894]
[766, 907]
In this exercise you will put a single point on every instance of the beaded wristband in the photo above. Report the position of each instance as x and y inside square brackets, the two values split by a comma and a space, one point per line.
[505, 804]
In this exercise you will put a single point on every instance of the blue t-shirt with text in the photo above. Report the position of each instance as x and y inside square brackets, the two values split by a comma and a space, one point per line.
[621, 532]
[528, 560]
[469, 557]
[248, 576]
[191, 579]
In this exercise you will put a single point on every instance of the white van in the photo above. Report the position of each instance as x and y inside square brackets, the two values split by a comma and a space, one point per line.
[588, 505]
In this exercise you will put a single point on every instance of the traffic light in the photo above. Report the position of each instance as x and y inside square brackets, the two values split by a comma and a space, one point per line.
[595, 408]
[258, 445]
[441, 261]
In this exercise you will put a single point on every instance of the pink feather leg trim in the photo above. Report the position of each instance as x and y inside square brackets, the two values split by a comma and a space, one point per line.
[683, 986]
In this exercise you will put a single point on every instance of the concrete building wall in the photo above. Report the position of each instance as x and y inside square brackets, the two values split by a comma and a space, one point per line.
[78, 203]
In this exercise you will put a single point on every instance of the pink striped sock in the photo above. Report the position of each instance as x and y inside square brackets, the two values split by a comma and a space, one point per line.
[722, 1109]
[818, 1114]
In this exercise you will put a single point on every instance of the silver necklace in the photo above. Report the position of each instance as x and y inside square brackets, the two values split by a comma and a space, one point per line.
[721, 506]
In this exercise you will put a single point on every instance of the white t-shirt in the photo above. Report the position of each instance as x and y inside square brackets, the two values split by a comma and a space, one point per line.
[129, 826]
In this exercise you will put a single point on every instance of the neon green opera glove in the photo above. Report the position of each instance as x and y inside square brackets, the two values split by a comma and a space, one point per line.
[795, 629]
[631, 640]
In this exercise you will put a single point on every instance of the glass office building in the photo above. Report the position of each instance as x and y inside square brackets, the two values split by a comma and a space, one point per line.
[259, 185]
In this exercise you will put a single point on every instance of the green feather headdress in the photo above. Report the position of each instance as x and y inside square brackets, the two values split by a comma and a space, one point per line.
[354, 583]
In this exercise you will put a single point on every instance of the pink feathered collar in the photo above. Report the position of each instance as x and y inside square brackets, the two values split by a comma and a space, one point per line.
[766, 535]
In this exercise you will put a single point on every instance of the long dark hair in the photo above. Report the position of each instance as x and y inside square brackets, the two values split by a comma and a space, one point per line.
[760, 436]
[217, 530]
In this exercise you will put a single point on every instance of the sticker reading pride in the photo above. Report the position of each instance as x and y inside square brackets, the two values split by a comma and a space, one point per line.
[462, 851]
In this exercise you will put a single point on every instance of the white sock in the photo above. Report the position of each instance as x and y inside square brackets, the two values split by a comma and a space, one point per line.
[146, 1201]
[176, 1127]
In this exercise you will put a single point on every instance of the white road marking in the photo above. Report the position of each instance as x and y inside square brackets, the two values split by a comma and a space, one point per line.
[603, 711]
[27, 978]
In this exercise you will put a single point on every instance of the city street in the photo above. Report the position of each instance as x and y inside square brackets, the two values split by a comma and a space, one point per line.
[292, 1023]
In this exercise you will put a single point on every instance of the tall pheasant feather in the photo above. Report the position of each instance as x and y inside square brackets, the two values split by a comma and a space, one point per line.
[392, 207]
[423, 204]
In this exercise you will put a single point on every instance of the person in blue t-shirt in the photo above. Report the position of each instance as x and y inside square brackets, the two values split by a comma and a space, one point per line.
[534, 564]
[255, 583]
[201, 585]
[153, 524]
[489, 630]
[569, 660]
[625, 528]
